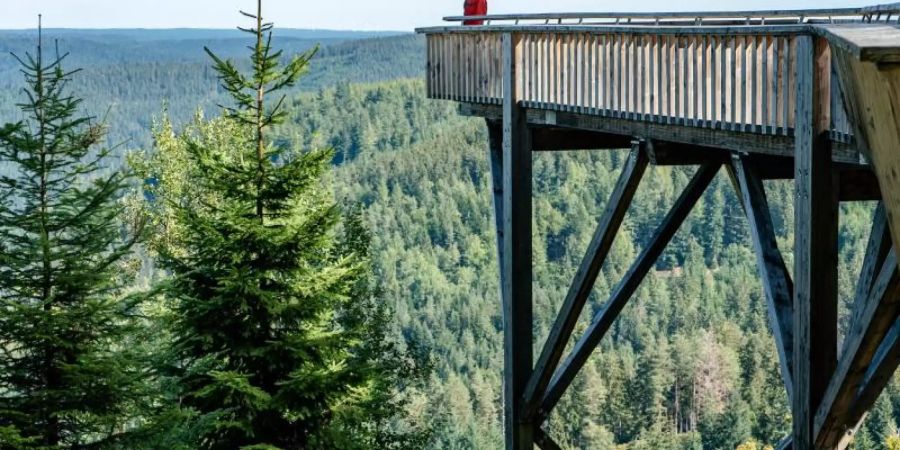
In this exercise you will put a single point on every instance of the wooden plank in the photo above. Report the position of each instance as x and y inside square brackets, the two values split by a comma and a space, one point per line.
[874, 323]
[673, 154]
[516, 269]
[726, 140]
[583, 284]
[859, 185]
[555, 139]
[630, 282]
[777, 283]
[879, 43]
[815, 254]
[764, 83]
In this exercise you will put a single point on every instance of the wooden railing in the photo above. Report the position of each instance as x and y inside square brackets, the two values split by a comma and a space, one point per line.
[740, 79]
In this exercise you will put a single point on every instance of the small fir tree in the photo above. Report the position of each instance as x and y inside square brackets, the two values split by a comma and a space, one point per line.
[67, 379]
[279, 339]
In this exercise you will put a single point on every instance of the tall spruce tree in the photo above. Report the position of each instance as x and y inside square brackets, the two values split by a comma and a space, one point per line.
[66, 379]
[279, 339]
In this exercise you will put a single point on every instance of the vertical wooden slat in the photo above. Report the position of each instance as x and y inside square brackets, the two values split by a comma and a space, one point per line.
[781, 79]
[667, 79]
[742, 73]
[704, 80]
[614, 76]
[732, 88]
[697, 74]
[792, 92]
[587, 73]
[660, 71]
[653, 78]
[582, 70]
[764, 83]
[754, 94]
[677, 90]
[603, 72]
[635, 84]
[776, 83]
[723, 82]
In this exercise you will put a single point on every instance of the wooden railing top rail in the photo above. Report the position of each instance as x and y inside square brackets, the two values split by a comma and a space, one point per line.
[884, 12]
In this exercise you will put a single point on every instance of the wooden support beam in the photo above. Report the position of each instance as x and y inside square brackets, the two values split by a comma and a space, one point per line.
[583, 284]
[631, 281]
[495, 147]
[764, 144]
[877, 249]
[555, 139]
[777, 283]
[544, 441]
[871, 91]
[674, 154]
[858, 184]
[871, 326]
[815, 244]
[516, 269]
[787, 443]
[879, 373]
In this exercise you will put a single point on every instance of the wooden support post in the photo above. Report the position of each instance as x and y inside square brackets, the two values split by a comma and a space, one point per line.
[777, 283]
[872, 324]
[631, 281]
[516, 268]
[584, 280]
[815, 242]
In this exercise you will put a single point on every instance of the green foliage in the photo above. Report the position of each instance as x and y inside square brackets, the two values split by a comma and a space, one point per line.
[690, 364]
[279, 337]
[67, 376]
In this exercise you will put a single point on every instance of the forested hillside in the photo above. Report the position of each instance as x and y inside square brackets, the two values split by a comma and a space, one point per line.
[690, 364]
[128, 76]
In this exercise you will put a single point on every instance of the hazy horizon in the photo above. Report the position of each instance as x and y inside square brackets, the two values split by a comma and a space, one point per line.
[344, 15]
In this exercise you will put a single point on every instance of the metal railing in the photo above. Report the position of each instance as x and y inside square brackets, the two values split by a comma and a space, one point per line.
[878, 13]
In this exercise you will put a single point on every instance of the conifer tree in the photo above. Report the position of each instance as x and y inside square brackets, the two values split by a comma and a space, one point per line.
[66, 379]
[280, 341]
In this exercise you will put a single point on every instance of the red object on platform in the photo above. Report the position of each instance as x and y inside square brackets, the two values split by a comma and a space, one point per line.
[475, 8]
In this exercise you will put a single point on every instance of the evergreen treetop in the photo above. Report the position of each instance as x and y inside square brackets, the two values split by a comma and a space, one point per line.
[67, 378]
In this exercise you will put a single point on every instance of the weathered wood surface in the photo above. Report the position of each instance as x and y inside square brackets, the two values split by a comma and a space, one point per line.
[740, 81]
[774, 145]
[632, 279]
[872, 93]
[777, 283]
[584, 280]
[516, 268]
[878, 43]
[872, 322]
[815, 248]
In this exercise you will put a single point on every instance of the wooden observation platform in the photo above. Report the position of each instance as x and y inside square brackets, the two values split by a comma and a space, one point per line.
[810, 95]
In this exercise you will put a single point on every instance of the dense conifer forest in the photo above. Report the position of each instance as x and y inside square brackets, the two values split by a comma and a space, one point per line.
[690, 364]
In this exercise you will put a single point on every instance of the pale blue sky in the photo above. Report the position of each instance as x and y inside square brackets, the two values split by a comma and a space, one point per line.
[330, 14]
